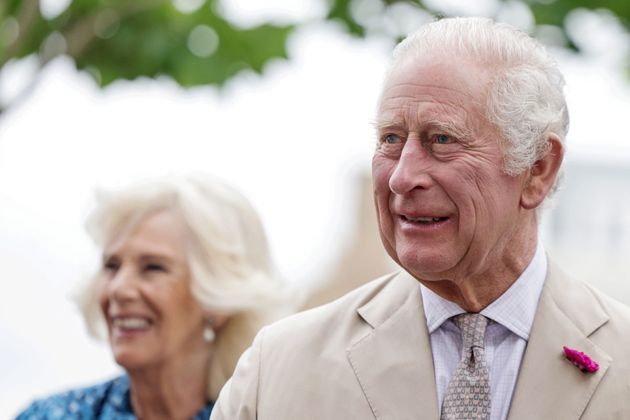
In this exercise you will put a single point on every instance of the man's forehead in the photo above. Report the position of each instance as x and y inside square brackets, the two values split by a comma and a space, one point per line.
[414, 103]
[444, 77]
[408, 110]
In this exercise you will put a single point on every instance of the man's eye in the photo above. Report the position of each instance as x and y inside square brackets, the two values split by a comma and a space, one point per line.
[391, 139]
[443, 139]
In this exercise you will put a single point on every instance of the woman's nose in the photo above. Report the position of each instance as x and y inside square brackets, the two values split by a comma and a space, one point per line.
[123, 285]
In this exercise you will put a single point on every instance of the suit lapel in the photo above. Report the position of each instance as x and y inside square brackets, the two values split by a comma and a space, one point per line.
[549, 387]
[393, 363]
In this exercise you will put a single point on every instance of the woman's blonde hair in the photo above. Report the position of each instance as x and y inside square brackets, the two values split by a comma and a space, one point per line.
[232, 272]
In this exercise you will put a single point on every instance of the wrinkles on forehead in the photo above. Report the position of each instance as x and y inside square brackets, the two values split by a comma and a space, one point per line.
[456, 83]
[453, 91]
[427, 111]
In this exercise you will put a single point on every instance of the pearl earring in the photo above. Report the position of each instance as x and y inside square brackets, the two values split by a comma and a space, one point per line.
[208, 332]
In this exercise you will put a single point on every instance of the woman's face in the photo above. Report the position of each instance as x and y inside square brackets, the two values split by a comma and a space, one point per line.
[144, 294]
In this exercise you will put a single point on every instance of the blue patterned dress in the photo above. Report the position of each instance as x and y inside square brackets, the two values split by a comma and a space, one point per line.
[107, 401]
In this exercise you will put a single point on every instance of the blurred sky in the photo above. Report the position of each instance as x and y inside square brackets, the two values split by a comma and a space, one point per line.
[293, 141]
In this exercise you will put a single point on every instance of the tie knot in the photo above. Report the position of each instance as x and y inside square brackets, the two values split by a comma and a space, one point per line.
[473, 328]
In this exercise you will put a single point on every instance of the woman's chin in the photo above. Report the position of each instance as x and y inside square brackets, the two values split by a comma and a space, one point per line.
[131, 359]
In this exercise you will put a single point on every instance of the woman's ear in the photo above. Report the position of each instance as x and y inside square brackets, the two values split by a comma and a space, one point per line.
[213, 324]
[216, 321]
[543, 174]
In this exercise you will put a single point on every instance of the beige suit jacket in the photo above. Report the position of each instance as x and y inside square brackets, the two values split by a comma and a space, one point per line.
[367, 356]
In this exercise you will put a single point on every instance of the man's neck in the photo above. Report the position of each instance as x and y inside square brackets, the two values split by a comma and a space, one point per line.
[477, 289]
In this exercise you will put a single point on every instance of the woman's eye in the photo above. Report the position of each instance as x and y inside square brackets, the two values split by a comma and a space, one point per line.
[154, 267]
[110, 266]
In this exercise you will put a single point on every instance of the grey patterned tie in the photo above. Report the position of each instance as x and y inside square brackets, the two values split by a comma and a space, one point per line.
[468, 392]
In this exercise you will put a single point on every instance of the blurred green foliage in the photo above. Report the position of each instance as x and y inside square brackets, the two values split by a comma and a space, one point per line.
[126, 39]
[554, 12]
[544, 12]
[130, 38]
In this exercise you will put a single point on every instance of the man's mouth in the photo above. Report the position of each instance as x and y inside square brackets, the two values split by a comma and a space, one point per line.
[423, 220]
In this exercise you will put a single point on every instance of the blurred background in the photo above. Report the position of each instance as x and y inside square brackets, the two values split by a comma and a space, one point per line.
[278, 98]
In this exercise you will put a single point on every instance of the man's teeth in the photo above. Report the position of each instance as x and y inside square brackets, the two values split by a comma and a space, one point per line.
[131, 323]
[424, 219]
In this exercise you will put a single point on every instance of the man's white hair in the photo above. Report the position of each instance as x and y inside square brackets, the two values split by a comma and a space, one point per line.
[525, 98]
[231, 268]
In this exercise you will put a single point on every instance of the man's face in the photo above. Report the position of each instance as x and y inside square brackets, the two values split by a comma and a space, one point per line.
[446, 209]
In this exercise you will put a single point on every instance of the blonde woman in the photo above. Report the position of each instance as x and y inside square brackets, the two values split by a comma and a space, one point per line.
[186, 281]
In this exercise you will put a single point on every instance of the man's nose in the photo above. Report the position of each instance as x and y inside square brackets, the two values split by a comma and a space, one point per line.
[412, 169]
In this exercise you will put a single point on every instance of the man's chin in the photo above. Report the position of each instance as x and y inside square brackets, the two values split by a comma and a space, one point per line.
[425, 266]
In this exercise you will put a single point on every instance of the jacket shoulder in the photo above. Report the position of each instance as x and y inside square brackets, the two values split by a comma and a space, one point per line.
[618, 313]
[340, 313]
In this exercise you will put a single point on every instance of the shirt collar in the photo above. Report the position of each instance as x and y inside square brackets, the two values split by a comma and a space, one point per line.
[514, 309]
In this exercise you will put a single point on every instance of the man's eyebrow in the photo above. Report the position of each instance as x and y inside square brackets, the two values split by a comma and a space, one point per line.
[379, 125]
[449, 128]
[433, 124]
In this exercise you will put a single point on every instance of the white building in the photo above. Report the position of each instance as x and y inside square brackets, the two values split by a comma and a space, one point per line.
[588, 230]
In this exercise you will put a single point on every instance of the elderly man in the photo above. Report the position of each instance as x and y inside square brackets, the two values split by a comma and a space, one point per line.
[479, 324]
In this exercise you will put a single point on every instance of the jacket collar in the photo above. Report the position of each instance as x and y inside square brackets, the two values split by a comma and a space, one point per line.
[549, 386]
[394, 371]
[394, 365]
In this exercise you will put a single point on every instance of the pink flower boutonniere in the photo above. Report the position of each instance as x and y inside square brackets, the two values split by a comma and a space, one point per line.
[581, 360]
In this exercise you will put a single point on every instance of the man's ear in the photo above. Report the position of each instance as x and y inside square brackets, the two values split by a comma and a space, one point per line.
[542, 175]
